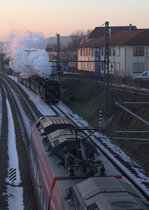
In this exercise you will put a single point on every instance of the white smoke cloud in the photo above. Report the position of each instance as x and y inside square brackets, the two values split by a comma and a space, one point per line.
[28, 56]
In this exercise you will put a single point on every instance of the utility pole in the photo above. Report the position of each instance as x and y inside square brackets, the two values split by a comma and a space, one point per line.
[106, 108]
[58, 65]
[1, 52]
[106, 90]
[0, 61]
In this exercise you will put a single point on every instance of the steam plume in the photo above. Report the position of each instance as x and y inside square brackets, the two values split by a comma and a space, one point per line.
[28, 56]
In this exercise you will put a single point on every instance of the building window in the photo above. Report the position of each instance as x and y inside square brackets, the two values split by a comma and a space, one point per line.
[102, 51]
[89, 52]
[138, 51]
[80, 52]
[92, 65]
[92, 52]
[110, 51]
[118, 51]
[118, 67]
[114, 52]
[86, 52]
[138, 67]
[102, 66]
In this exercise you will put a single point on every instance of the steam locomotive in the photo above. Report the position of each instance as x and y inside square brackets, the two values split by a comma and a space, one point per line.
[48, 89]
[67, 173]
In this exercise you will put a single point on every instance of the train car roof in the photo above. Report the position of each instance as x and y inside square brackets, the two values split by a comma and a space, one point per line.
[60, 133]
[49, 124]
[108, 193]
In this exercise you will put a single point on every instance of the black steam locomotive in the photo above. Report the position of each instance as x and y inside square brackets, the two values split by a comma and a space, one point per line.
[48, 89]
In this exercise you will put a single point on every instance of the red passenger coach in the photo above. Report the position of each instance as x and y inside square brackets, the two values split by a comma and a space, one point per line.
[66, 170]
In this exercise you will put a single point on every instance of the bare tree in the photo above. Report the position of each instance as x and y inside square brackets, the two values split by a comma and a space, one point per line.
[76, 38]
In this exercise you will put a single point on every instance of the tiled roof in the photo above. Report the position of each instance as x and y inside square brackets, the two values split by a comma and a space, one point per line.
[138, 37]
[99, 31]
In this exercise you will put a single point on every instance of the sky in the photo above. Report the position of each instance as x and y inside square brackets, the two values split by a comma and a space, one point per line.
[68, 16]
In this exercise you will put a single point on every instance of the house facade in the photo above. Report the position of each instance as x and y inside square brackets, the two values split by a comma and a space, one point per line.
[128, 53]
[87, 58]
[127, 60]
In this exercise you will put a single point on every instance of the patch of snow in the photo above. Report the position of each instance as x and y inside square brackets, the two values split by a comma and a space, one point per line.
[14, 191]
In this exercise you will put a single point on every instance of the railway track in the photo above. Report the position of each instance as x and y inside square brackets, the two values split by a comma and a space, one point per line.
[31, 110]
[21, 111]
[128, 170]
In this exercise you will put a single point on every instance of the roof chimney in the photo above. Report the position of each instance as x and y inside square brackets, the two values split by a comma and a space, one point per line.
[130, 27]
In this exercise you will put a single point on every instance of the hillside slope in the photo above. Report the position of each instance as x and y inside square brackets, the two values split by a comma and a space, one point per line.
[86, 99]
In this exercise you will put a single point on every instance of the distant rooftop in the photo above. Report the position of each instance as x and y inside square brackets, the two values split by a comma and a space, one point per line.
[138, 37]
[99, 31]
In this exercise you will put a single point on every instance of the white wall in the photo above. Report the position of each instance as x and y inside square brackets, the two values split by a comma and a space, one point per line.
[122, 63]
[87, 66]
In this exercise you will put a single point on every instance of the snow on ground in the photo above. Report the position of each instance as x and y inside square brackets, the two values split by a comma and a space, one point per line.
[14, 191]
[39, 103]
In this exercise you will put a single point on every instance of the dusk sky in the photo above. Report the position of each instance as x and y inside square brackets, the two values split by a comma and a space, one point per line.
[67, 16]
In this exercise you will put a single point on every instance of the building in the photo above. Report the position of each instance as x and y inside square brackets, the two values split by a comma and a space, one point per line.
[128, 53]
[100, 31]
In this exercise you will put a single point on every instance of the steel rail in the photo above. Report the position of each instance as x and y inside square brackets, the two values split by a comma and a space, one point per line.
[129, 139]
[132, 131]
[19, 91]
[20, 118]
